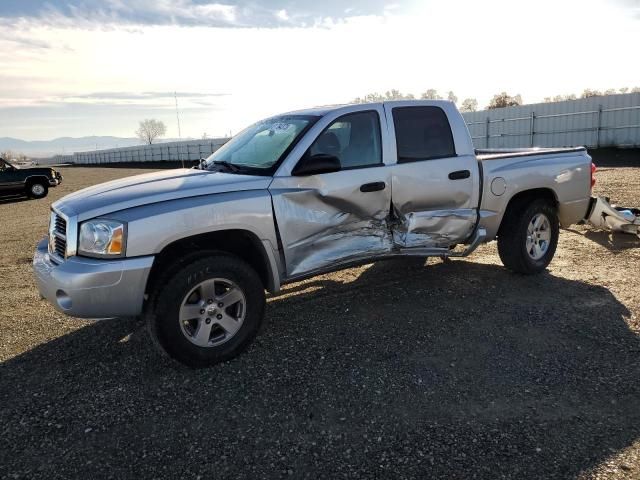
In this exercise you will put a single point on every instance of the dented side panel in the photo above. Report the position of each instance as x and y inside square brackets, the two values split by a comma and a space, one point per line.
[429, 208]
[325, 219]
[435, 228]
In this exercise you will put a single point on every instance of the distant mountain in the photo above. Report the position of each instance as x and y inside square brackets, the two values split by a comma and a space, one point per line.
[67, 145]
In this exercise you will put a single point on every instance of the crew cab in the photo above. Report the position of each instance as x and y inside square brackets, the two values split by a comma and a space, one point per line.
[295, 195]
[33, 182]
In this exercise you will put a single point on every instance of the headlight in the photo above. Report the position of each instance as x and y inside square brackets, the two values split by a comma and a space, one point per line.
[102, 238]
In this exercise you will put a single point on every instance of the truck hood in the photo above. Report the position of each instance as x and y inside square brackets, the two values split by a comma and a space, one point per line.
[154, 187]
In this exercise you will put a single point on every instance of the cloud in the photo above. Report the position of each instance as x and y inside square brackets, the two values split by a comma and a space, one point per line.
[630, 7]
[159, 100]
[24, 41]
[115, 96]
[212, 13]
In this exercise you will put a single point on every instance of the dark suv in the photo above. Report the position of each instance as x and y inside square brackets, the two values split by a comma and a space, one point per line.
[34, 182]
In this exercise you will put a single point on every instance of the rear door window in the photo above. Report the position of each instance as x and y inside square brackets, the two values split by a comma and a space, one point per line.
[422, 133]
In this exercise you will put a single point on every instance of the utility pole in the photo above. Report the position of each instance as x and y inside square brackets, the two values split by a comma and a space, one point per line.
[175, 95]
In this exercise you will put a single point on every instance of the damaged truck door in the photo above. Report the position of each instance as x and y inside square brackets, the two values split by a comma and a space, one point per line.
[328, 216]
[435, 182]
[401, 180]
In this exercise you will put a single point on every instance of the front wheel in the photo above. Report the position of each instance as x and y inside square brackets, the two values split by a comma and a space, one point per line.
[209, 311]
[528, 237]
[37, 190]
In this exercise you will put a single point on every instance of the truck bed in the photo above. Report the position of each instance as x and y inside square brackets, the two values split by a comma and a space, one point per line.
[501, 153]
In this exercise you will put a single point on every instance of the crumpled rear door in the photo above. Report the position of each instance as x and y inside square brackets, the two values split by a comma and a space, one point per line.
[435, 190]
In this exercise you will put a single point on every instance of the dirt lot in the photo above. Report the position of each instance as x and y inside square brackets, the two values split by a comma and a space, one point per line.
[393, 370]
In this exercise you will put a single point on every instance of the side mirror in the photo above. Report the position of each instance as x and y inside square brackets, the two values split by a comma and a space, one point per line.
[316, 164]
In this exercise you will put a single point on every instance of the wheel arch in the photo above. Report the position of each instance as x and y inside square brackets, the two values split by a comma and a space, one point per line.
[242, 243]
[33, 178]
[527, 196]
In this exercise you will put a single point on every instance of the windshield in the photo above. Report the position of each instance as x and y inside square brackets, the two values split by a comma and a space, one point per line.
[261, 145]
[5, 165]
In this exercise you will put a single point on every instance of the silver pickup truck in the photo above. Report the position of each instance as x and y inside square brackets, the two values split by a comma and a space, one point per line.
[193, 250]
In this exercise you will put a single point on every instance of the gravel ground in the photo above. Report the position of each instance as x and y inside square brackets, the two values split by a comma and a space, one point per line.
[392, 370]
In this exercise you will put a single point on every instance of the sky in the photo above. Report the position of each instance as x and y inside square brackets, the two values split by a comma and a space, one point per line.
[98, 67]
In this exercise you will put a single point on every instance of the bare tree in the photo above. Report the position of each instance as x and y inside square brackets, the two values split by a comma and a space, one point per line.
[395, 94]
[431, 94]
[503, 99]
[17, 157]
[392, 94]
[560, 98]
[635, 90]
[452, 96]
[588, 93]
[469, 105]
[369, 98]
[150, 129]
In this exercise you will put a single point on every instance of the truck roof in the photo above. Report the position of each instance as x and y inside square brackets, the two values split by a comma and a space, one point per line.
[323, 110]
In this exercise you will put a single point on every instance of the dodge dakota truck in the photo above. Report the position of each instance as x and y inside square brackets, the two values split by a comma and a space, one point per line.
[33, 182]
[295, 195]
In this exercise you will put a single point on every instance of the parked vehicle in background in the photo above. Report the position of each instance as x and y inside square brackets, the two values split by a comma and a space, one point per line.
[293, 196]
[34, 182]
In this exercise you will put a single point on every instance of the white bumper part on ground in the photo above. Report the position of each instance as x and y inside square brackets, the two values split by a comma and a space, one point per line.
[610, 217]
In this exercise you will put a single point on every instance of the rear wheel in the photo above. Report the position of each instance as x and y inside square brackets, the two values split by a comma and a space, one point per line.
[37, 189]
[528, 236]
[208, 311]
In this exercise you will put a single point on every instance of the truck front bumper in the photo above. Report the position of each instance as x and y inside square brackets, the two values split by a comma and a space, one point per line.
[57, 180]
[92, 288]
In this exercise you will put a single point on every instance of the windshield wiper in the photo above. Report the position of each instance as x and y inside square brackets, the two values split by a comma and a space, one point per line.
[229, 166]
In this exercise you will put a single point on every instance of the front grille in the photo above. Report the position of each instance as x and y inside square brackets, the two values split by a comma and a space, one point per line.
[58, 236]
[60, 247]
[61, 225]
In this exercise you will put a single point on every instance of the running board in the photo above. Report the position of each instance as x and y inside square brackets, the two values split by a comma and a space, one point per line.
[478, 237]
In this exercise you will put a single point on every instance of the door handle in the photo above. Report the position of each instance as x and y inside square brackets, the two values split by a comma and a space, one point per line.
[373, 187]
[459, 175]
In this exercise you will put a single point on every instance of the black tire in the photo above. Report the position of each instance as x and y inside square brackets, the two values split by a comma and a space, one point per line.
[163, 316]
[512, 237]
[40, 187]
